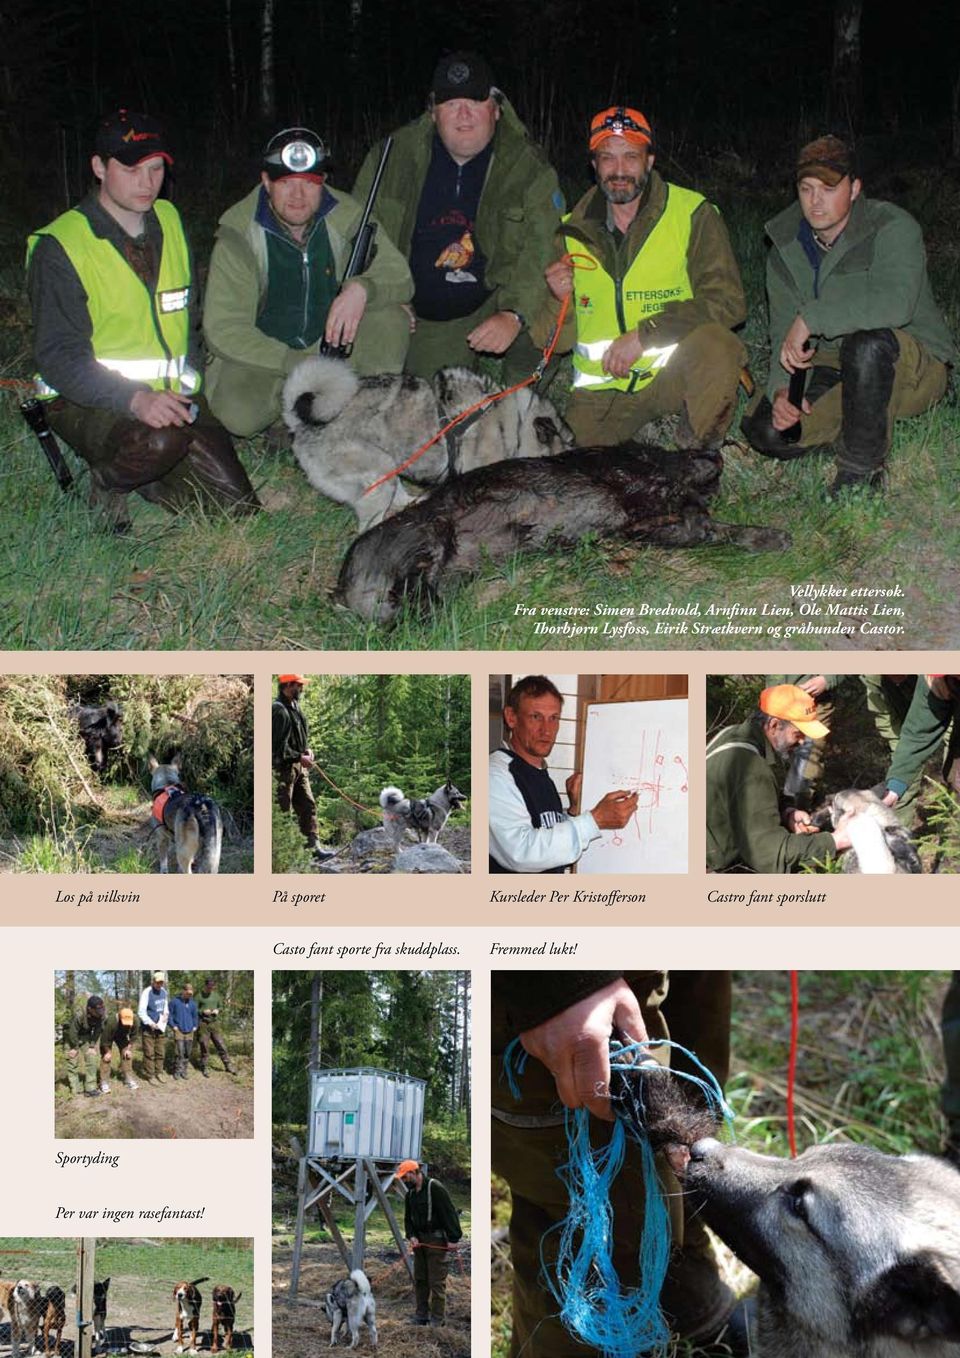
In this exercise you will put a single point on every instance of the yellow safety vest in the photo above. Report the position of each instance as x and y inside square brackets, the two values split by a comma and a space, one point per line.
[141, 335]
[606, 307]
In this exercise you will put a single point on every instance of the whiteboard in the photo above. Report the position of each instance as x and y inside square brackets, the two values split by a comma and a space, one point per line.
[640, 746]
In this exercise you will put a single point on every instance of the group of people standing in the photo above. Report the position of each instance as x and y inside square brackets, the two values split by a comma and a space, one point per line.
[90, 1036]
[475, 256]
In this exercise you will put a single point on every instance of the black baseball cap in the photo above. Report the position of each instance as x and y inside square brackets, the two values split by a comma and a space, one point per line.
[461, 75]
[295, 151]
[131, 137]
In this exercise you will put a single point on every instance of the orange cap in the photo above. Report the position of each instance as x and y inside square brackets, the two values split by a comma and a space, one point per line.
[790, 703]
[291, 678]
[617, 121]
[126, 1017]
[406, 1167]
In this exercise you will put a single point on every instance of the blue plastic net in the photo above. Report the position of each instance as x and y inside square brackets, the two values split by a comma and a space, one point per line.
[618, 1321]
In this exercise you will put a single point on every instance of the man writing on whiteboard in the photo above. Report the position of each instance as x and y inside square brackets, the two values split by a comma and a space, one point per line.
[529, 829]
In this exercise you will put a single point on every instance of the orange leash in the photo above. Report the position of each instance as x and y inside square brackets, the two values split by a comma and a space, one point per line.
[358, 805]
[485, 402]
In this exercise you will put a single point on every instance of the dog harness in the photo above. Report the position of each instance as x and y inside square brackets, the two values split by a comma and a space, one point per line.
[160, 801]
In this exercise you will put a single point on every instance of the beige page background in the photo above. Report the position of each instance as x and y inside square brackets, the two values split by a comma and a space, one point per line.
[237, 922]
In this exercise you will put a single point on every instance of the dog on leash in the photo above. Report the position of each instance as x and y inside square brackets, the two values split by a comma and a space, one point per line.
[188, 823]
[426, 817]
[52, 1317]
[880, 844]
[189, 1301]
[348, 431]
[636, 491]
[350, 1302]
[100, 1311]
[858, 1253]
[224, 1316]
[22, 1302]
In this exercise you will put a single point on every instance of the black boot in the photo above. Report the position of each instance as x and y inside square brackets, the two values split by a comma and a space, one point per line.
[867, 364]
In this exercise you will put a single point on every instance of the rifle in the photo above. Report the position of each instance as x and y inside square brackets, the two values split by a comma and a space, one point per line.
[362, 246]
[33, 412]
[798, 382]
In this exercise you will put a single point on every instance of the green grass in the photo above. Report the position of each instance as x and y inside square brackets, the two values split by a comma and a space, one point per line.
[198, 582]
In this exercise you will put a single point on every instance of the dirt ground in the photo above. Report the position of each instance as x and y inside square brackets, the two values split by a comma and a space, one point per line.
[218, 1107]
[123, 831]
[301, 1328]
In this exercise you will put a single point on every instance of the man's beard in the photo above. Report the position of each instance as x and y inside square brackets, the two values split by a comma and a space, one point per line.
[632, 188]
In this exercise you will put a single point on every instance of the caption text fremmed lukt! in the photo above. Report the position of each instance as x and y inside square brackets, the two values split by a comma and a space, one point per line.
[809, 610]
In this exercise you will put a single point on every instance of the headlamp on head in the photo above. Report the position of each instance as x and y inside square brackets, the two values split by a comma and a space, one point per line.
[295, 150]
[620, 121]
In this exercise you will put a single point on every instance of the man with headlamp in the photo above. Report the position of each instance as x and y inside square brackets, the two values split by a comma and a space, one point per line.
[655, 293]
[274, 293]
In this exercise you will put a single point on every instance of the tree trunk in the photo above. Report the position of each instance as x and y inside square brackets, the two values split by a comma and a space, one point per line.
[268, 98]
[846, 86]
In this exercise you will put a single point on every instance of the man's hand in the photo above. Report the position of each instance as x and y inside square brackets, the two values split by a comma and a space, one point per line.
[574, 1045]
[891, 799]
[574, 788]
[495, 334]
[793, 351]
[797, 822]
[785, 414]
[160, 409]
[411, 315]
[346, 312]
[306, 759]
[73, 1054]
[559, 276]
[622, 354]
[815, 685]
[614, 810]
[413, 1242]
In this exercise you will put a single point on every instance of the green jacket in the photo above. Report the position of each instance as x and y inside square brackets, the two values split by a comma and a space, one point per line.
[743, 808]
[921, 735]
[875, 277]
[239, 279]
[430, 1211]
[711, 266]
[81, 1030]
[290, 735]
[520, 205]
[209, 1004]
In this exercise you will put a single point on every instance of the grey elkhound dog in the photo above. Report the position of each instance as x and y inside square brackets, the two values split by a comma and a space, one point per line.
[348, 431]
[858, 1253]
[426, 816]
[880, 843]
[636, 491]
[350, 1302]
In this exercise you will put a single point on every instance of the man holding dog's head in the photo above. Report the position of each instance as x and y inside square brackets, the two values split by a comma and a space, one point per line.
[273, 294]
[293, 759]
[654, 290]
[564, 1021]
[850, 306]
[431, 1225]
[115, 339]
[473, 204]
[529, 829]
[749, 825]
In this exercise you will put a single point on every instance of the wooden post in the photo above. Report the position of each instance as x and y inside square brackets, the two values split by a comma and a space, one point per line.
[86, 1264]
[298, 1232]
[388, 1213]
[359, 1216]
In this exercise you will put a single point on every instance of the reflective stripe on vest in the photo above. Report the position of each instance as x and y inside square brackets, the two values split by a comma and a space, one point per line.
[606, 308]
[143, 337]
